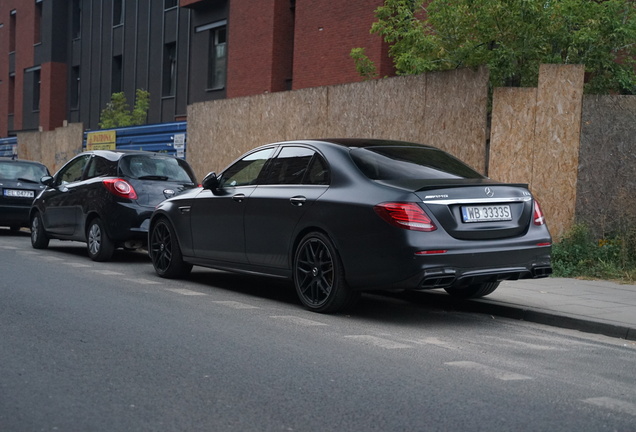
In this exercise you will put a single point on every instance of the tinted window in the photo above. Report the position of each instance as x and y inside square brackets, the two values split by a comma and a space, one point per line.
[318, 173]
[246, 171]
[395, 163]
[100, 167]
[156, 167]
[290, 166]
[72, 171]
[23, 171]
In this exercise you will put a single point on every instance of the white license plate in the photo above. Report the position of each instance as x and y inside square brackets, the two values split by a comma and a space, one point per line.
[486, 213]
[18, 193]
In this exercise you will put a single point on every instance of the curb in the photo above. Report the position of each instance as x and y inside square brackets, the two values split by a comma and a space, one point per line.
[521, 313]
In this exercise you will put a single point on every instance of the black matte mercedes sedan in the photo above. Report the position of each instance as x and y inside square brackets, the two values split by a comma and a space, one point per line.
[105, 198]
[342, 216]
[19, 185]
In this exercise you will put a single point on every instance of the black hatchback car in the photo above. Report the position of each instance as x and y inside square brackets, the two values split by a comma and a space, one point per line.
[341, 216]
[105, 198]
[19, 184]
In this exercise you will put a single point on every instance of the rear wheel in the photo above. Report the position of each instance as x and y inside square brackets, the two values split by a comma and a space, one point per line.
[472, 291]
[100, 246]
[165, 251]
[39, 238]
[319, 276]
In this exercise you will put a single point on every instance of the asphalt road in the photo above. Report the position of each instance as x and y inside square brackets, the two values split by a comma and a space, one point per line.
[90, 346]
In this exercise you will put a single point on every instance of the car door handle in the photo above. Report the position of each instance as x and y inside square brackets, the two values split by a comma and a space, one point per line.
[298, 201]
[238, 197]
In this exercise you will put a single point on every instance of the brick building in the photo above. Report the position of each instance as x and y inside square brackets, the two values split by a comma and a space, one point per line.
[60, 60]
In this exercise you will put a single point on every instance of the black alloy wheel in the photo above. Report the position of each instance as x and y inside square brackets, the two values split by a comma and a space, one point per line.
[100, 247]
[165, 251]
[319, 276]
[39, 239]
[472, 291]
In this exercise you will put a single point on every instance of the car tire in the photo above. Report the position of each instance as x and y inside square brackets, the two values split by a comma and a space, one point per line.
[319, 276]
[99, 245]
[39, 238]
[165, 251]
[472, 291]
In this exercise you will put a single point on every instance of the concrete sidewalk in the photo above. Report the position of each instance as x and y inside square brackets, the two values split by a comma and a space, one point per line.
[591, 306]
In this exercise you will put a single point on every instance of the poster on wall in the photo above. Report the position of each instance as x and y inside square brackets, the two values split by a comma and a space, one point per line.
[101, 140]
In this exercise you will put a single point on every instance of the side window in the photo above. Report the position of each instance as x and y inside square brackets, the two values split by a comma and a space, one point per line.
[318, 173]
[246, 171]
[72, 172]
[98, 167]
[290, 166]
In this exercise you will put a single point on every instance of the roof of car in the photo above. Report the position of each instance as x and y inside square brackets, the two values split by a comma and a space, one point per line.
[117, 154]
[367, 142]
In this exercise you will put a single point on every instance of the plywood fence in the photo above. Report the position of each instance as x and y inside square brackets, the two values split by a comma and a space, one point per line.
[448, 110]
[535, 136]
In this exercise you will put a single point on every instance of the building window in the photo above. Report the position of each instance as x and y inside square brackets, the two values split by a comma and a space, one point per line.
[38, 22]
[77, 19]
[36, 90]
[12, 24]
[169, 69]
[117, 74]
[75, 87]
[11, 94]
[118, 12]
[169, 4]
[217, 58]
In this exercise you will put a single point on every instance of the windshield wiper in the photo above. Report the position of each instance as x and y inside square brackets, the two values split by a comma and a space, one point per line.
[27, 180]
[153, 177]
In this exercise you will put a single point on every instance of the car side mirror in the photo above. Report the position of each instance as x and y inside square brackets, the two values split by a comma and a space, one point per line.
[210, 182]
[47, 180]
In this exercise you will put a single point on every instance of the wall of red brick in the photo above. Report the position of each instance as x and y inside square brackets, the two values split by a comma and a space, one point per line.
[24, 51]
[326, 31]
[259, 47]
[52, 91]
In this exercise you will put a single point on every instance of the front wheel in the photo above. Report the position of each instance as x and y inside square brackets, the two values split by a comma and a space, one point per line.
[100, 246]
[319, 276]
[165, 252]
[39, 239]
[472, 291]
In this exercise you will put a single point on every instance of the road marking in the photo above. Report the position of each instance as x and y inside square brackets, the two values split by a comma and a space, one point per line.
[489, 371]
[184, 291]
[143, 281]
[297, 320]
[108, 272]
[78, 265]
[433, 341]
[8, 247]
[379, 342]
[235, 305]
[613, 405]
[51, 258]
[27, 252]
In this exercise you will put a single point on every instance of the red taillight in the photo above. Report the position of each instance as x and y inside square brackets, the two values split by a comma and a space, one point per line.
[405, 215]
[121, 188]
[431, 252]
[539, 219]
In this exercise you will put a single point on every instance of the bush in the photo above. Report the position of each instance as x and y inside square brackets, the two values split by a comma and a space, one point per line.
[578, 254]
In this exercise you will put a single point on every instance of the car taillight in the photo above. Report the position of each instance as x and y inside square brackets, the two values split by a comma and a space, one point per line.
[539, 219]
[405, 215]
[121, 188]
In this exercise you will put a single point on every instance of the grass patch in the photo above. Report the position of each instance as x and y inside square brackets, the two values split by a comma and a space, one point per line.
[579, 255]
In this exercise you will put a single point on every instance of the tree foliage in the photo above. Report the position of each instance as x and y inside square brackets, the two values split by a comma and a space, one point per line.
[511, 37]
[118, 113]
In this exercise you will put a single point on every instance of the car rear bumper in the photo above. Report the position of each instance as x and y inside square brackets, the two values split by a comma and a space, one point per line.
[443, 270]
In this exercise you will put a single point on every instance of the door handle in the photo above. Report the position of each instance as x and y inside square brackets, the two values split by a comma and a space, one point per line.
[298, 201]
[238, 197]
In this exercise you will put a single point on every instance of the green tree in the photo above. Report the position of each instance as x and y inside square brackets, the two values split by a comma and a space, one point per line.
[118, 113]
[511, 37]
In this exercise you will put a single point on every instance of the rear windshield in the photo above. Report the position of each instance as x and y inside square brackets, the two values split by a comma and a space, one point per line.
[147, 167]
[397, 163]
[24, 171]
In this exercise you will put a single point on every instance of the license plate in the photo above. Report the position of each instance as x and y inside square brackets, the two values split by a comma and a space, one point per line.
[19, 193]
[486, 213]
